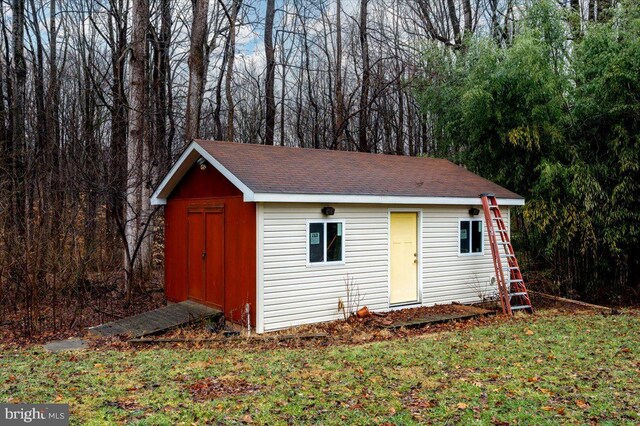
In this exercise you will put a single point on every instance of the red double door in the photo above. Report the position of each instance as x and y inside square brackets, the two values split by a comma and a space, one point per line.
[205, 257]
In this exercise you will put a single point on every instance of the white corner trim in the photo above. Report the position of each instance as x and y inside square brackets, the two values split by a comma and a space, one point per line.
[259, 268]
[376, 199]
[182, 165]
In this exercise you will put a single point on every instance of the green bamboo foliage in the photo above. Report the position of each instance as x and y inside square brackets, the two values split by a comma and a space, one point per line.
[556, 118]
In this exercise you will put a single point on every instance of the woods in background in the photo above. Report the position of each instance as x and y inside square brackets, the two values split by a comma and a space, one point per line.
[554, 115]
[98, 98]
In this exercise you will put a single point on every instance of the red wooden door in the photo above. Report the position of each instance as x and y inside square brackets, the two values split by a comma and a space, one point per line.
[195, 256]
[214, 258]
[205, 269]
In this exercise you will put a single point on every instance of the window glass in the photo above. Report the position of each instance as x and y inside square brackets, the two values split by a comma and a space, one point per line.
[334, 242]
[465, 236]
[316, 242]
[476, 236]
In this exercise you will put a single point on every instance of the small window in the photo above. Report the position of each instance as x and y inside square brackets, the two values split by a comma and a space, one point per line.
[326, 242]
[471, 236]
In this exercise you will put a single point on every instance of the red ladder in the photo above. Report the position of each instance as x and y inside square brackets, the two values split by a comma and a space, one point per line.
[513, 293]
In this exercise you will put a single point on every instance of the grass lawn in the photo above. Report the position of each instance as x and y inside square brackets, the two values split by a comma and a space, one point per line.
[548, 369]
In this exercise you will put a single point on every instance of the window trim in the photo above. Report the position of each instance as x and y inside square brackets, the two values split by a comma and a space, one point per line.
[468, 219]
[324, 248]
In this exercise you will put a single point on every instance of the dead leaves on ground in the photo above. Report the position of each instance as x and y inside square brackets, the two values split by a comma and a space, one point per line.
[220, 387]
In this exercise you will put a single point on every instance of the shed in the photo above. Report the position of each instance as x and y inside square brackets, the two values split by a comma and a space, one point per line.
[286, 231]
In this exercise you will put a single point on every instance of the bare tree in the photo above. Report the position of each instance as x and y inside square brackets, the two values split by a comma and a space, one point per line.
[138, 209]
[198, 60]
[270, 109]
[363, 122]
[231, 54]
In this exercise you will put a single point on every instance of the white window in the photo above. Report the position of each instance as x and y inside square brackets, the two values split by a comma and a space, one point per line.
[470, 236]
[325, 242]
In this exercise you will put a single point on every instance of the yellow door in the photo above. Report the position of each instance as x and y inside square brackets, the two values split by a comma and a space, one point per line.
[404, 258]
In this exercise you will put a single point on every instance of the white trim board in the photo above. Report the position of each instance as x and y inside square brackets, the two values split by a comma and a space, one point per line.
[259, 268]
[377, 199]
[194, 151]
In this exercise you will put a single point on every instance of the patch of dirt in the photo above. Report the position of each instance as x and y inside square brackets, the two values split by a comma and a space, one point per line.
[219, 387]
[410, 314]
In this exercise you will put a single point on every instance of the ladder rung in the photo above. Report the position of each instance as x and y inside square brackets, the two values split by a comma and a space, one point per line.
[507, 255]
[515, 281]
[503, 242]
[516, 308]
[493, 206]
[518, 293]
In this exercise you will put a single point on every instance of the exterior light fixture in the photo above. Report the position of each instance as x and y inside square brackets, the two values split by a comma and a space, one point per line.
[202, 163]
[328, 211]
[473, 211]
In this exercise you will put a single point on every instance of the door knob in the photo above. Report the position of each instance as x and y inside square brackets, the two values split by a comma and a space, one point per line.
[204, 254]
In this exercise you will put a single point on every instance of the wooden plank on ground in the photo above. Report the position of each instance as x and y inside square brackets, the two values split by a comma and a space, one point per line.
[158, 320]
[573, 302]
[471, 312]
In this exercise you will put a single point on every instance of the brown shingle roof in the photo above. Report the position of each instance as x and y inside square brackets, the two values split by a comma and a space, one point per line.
[283, 170]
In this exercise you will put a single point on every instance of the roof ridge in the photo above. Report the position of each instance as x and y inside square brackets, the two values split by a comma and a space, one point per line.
[320, 150]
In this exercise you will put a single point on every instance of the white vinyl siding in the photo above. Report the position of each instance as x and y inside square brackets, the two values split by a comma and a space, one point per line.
[295, 293]
[448, 276]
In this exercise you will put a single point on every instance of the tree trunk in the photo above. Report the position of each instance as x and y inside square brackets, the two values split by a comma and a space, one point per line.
[282, 103]
[468, 17]
[455, 23]
[270, 110]
[163, 88]
[137, 212]
[197, 68]
[53, 128]
[339, 95]
[363, 121]
[18, 118]
[117, 182]
[231, 53]
[217, 121]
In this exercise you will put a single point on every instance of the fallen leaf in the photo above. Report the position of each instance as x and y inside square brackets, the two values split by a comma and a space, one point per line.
[528, 332]
[582, 404]
[462, 406]
[392, 411]
[560, 411]
[547, 408]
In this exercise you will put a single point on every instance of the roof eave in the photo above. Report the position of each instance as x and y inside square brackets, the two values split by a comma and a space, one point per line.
[376, 199]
